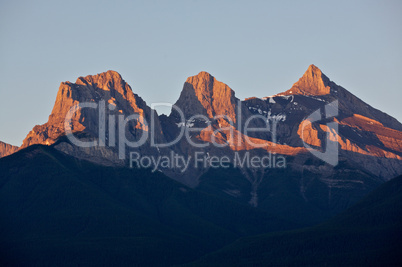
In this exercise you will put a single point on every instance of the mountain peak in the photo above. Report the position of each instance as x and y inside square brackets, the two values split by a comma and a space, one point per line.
[313, 68]
[105, 80]
[202, 75]
[108, 86]
[313, 82]
[203, 94]
[202, 83]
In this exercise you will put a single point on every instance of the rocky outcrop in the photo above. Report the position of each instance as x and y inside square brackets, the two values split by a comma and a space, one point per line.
[202, 94]
[313, 82]
[108, 93]
[7, 149]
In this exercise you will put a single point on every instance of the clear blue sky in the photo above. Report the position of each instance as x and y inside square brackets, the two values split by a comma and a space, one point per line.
[258, 48]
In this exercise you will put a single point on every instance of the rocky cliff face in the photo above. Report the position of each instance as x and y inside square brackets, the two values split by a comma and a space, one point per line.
[7, 149]
[204, 95]
[118, 101]
[361, 127]
[313, 82]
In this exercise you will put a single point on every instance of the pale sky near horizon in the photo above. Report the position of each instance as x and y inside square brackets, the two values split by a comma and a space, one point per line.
[258, 48]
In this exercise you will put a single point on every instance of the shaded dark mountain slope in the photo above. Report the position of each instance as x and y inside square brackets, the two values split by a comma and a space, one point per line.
[303, 197]
[368, 233]
[59, 210]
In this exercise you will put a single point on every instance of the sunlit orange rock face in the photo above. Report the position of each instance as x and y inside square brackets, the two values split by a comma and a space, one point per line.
[115, 90]
[108, 86]
[203, 94]
[236, 141]
[313, 82]
[308, 133]
[7, 149]
[391, 138]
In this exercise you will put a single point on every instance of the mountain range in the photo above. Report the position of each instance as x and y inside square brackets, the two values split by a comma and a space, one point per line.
[327, 150]
[369, 141]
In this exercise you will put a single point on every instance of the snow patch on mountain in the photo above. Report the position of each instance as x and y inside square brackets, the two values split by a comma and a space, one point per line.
[276, 118]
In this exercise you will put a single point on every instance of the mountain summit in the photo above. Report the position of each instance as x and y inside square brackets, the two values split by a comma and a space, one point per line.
[117, 97]
[313, 82]
[202, 94]
[108, 86]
